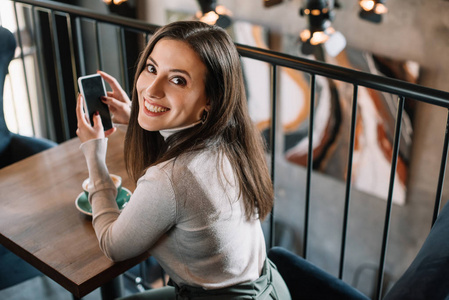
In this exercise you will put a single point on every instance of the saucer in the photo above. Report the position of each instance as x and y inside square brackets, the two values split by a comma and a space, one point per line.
[83, 205]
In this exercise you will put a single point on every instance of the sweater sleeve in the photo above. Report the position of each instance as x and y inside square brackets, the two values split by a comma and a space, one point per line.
[100, 181]
[149, 214]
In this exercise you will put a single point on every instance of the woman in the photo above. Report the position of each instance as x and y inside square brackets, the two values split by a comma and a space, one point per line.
[202, 181]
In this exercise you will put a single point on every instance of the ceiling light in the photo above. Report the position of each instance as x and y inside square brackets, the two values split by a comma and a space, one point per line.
[116, 2]
[320, 32]
[212, 14]
[372, 10]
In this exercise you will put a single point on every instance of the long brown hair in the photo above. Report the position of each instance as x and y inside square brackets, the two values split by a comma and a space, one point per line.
[228, 126]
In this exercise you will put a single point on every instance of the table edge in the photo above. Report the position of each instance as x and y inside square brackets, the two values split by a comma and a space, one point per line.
[78, 290]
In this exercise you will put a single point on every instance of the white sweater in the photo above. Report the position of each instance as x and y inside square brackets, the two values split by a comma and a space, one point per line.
[187, 215]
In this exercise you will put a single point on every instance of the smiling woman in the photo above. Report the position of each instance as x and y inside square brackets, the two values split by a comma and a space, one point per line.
[203, 185]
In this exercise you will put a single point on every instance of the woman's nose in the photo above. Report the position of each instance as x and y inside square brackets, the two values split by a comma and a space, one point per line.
[155, 89]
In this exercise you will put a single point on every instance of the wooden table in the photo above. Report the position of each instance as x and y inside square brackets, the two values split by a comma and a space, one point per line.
[40, 223]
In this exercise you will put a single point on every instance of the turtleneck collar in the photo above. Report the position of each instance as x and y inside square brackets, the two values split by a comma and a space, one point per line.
[168, 132]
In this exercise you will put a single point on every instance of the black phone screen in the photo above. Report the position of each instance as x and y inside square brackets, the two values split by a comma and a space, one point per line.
[92, 88]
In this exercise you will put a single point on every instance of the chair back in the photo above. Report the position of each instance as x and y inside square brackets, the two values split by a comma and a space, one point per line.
[309, 282]
[428, 275]
[7, 49]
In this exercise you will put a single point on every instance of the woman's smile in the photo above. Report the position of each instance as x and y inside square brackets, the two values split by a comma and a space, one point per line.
[154, 109]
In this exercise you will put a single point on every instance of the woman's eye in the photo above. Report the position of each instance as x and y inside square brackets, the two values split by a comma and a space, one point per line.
[151, 69]
[179, 81]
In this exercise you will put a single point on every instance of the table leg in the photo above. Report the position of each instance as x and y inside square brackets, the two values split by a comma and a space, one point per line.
[112, 289]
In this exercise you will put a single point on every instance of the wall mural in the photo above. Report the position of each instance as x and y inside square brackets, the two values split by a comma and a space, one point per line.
[376, 112]
[375, 124]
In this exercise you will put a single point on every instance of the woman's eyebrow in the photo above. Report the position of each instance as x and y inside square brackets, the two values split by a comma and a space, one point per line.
[153, 61]
[181, 71]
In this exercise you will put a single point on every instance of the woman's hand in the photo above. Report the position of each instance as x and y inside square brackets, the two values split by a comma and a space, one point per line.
[117, 100]
[85, 130]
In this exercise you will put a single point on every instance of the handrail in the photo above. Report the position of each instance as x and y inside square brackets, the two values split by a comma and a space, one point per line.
[83, 12]
[381, 83]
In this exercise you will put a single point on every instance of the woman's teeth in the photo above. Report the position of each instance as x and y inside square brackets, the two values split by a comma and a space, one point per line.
[155, 109]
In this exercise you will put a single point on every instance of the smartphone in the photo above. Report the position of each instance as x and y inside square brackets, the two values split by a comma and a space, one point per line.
[92, 88]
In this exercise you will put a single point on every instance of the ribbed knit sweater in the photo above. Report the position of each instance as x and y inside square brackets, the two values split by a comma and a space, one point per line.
[187, 213]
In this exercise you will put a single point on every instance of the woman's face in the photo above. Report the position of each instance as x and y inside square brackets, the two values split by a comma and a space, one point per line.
[171, 89]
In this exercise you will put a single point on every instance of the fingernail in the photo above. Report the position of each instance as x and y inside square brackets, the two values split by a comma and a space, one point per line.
[97, 113]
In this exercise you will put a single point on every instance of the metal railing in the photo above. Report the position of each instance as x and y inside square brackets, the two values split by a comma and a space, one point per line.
[64, 76]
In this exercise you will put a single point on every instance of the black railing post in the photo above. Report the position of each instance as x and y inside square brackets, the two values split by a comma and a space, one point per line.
[309, 164]
[272, 144]
[397, 138]
[348, 182]
[436, 208]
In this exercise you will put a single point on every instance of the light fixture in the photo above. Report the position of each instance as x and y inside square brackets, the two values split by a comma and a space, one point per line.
[116, 2]
[372, 10]
[269, 3]
[212, 14]
[320, 32]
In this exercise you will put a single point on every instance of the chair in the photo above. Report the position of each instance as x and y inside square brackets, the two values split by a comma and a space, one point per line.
[13, 147]
[426, 278]
[306, 281]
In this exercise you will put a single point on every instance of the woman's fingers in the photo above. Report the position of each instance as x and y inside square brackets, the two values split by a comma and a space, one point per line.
[98, 124]
[97, 130]
[111, 80]
[109, 131]
[113, 103]
[85, 130]
[117, 100]
[117, 91]
[79, 107]
[80, 115]
[120, 110]
[97, 120]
